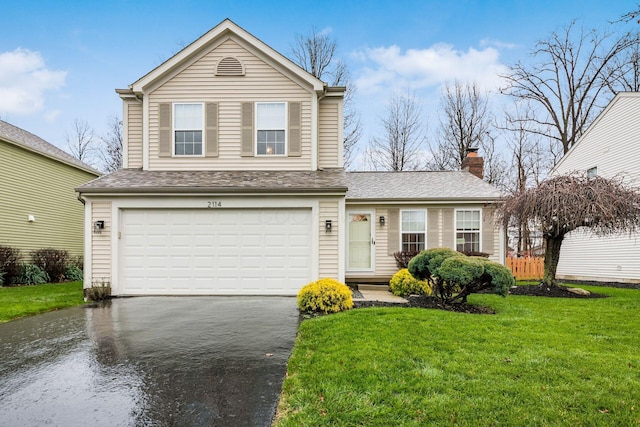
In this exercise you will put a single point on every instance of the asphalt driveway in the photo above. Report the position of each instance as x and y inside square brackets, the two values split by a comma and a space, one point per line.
[156, 361]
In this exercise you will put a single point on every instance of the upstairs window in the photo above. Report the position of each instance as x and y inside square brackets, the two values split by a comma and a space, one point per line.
[468, 230]
[188, 124]
[413, 230]
[271, 122]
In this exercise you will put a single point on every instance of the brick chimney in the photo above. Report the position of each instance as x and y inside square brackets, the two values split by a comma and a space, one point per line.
[473, 163]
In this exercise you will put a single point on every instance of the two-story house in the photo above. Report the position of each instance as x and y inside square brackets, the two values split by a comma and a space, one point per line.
[233, 183]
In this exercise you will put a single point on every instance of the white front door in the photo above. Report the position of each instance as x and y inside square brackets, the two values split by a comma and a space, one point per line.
[361, 241]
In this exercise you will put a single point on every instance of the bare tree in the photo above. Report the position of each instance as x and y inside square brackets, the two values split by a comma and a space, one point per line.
[564, 203]
[112, 145]
[81, 141]
[403, 136]
[464, 124]
[624, 70]
[568, 83]
[316, 54]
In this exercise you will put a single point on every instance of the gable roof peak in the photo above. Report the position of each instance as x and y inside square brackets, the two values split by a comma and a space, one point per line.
[225, 28]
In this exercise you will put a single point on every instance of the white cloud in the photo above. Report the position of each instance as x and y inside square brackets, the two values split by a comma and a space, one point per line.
[24, 79]
[52, 115]
[391, 68]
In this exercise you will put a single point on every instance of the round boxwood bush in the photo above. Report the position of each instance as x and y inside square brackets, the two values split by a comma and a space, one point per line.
[403, 283]
[325, 296]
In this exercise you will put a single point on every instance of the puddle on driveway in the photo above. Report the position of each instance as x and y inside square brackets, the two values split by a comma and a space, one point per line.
[148, 361]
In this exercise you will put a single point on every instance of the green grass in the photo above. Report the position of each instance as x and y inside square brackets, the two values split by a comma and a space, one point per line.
[537, 362]
[29, 300]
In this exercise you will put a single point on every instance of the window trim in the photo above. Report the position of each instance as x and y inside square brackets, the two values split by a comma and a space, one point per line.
[173, 129]
[257, 129]
[402, 232]
[455, 227]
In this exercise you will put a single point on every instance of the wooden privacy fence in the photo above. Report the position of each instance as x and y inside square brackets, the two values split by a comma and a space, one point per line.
[526, 268]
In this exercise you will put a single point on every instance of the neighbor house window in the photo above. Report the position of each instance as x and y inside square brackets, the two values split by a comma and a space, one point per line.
[413, 230]
[271, 122]
[187, 126]
[468, 230]
[591, 172]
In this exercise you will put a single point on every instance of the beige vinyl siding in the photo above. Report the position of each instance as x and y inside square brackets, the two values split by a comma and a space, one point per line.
[610, 144]
[101, 243]
[440, 233]
[134, 134]
[328, 242]
[32, 184]
[328, 134]
[261, 82]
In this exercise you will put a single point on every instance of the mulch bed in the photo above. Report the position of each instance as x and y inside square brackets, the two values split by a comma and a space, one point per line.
[554, 291]
[431, 302]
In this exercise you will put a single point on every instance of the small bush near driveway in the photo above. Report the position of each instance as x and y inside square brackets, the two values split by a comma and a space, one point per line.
[325, 296]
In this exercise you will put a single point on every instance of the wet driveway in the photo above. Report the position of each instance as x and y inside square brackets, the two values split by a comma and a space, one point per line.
[148, 361]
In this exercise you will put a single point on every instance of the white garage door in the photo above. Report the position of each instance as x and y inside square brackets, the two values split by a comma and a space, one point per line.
[214, 252]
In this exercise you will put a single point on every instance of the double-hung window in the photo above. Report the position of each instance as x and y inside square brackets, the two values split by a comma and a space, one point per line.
[271, 122]
[188, 124]
[468, 230]
[413, 230]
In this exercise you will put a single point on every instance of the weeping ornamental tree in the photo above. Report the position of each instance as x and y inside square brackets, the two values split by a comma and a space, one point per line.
[565, 203]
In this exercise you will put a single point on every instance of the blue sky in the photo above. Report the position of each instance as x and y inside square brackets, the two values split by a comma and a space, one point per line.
[61, 61]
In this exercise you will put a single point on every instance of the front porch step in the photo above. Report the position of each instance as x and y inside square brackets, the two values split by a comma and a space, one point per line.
[372, 287]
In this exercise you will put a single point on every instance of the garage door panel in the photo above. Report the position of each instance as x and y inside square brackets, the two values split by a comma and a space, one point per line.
[231, 252]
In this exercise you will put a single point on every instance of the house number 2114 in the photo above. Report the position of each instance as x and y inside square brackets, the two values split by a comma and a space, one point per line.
[214, 204]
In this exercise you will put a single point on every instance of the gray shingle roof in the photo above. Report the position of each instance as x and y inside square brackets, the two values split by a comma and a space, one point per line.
[139, 181]
[361, 185]
[28, 140]
[443, 185]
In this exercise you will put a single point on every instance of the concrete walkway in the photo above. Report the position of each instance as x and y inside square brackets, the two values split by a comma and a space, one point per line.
[381, 295]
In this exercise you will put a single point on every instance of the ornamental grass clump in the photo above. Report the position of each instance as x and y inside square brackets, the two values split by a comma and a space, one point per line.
[403, 283]
[325, 296]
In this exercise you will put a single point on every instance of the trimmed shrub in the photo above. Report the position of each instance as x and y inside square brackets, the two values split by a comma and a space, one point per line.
[52, 261]
[424, 265]
[403, 283]
[474, 253]
[73, 273]
[10, 264]
[403, 258]
[32, 275]
[453, 276]
[325, 296]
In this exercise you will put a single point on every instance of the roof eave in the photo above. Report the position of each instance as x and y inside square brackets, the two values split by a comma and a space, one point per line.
[140, 191]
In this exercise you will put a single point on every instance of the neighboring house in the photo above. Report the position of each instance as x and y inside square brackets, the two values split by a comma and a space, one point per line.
[608, 148]
[233, 183]
[39, 207]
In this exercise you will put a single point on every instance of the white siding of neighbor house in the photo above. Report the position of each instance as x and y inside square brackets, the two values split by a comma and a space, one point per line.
[329, 134]
[101, 244]
[440, 233]
[329, 246]
[198, 83]
[133, 133]
[611, 144]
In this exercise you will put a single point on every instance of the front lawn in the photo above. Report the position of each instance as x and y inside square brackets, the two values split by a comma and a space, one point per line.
[29, 300]
[537, 362]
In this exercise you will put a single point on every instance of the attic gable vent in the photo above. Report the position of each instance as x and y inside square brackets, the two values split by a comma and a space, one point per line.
[229, 66]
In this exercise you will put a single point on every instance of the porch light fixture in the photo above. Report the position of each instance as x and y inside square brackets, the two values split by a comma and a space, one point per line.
[98, 226]
[327, 226]
[382, 221]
